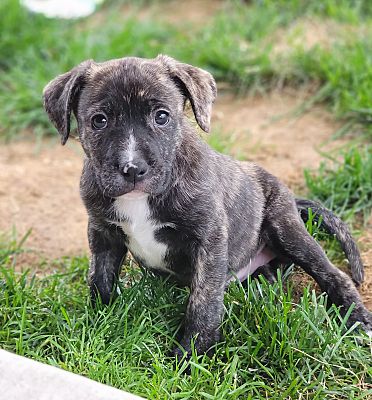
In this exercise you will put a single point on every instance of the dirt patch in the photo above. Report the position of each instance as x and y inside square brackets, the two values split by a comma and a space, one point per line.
[39, 190]
[365, 244]
[190, 13]
[265, 131]
[306, 33]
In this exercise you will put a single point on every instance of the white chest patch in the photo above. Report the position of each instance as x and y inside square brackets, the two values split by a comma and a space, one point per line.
[137, 224]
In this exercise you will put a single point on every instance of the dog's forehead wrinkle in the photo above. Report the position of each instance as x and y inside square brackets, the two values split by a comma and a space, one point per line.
[129, 94]
[134, 78]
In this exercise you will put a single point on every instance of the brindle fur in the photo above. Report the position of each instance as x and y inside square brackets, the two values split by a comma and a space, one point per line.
[218, 213]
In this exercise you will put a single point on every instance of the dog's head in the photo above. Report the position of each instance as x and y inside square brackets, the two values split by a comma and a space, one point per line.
[130, 115]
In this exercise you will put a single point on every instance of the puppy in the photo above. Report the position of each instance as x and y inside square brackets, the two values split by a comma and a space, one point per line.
[152, 186]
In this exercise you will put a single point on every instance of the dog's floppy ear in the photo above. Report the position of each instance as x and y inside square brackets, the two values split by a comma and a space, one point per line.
[198, 86]
[60, 96]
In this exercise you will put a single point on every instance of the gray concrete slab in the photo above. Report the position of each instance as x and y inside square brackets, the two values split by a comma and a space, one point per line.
[25, 379]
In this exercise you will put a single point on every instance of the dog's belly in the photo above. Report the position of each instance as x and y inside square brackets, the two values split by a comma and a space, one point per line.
[134, 213]
[262, 257]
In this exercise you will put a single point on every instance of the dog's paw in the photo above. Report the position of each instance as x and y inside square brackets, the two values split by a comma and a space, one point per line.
[367, 324]
[364, 317]
[201, 344]
[181, 354]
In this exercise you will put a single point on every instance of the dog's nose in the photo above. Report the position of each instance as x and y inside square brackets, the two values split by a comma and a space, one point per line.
[135, 171]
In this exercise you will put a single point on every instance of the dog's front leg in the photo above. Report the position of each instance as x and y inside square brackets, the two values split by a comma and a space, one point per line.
[205, 306]
[108, 251]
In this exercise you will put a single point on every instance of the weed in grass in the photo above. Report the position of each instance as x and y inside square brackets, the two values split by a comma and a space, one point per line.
[344, 186]
[10, 246]
[220, 142]
[224, 143]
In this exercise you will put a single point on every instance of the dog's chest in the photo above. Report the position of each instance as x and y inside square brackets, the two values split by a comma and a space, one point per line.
[134, 213]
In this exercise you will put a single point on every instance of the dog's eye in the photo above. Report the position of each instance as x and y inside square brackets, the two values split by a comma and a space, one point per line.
[99, 121]
[162, 117]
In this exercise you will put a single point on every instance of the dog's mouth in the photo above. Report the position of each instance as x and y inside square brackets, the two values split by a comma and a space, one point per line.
[134, 193]
[133, 190]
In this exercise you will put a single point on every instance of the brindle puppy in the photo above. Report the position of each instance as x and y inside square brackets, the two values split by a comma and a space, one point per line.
[152, 186]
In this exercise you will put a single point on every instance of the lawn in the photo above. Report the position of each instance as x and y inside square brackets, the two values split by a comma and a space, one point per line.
[275, 345]
[237, 45]
[273, 348]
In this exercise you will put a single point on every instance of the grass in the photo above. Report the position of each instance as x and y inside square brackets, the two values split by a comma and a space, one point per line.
[272, 348]
[224, 143]
[236, 46]
[344, 73]
[344, 185]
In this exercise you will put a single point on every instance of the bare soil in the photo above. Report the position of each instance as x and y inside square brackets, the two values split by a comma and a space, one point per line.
[190, 14]
[39, 183]
[266, 130]
[40, 190]
[308, 32]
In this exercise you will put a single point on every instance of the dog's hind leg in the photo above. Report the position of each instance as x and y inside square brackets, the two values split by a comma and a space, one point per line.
[289, 238]
[333, 225]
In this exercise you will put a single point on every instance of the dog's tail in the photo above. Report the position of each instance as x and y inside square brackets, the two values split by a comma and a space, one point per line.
[334, 226]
